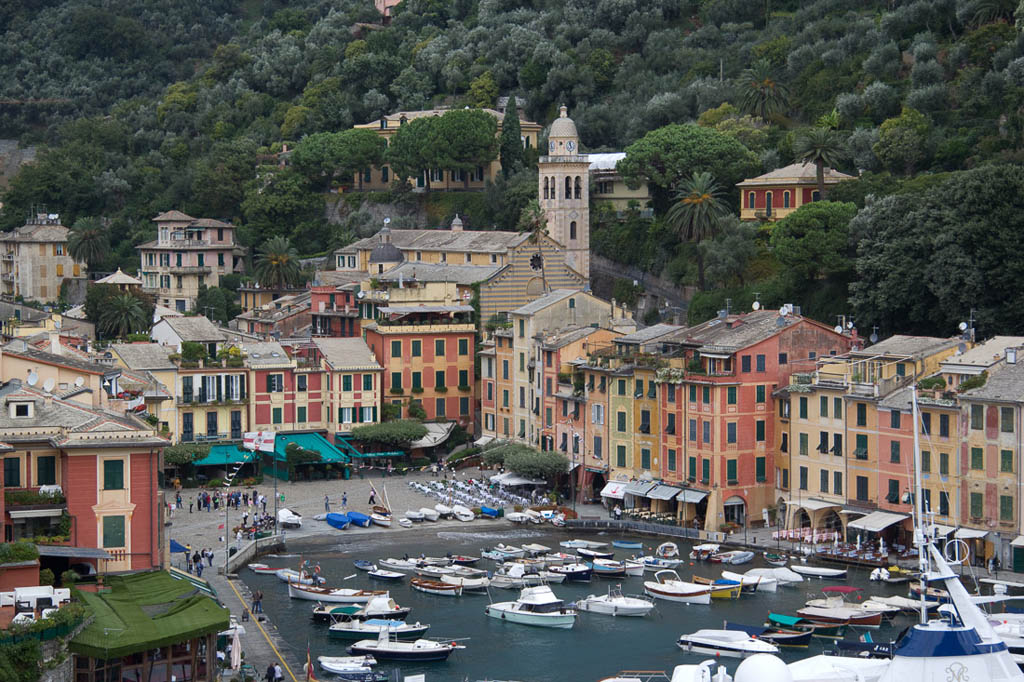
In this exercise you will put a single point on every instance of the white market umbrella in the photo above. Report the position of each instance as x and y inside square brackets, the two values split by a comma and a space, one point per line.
[236, 651]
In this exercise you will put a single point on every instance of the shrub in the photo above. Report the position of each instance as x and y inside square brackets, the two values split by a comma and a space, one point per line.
[68, 578]
[397, 433]
[27, 497]
[931, 383]
[46, 577]
[214, 483]
[974, 382]
[192, 351]
[17, 551]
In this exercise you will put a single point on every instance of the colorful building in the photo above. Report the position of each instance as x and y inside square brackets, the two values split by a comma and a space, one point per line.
[289, 315]
[284, 396]
[354, 383]
[34, 259]
[334, 311]
[610, 188]
[778, 193]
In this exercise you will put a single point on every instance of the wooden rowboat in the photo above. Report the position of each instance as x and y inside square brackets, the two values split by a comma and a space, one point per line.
[721, 588]
[436, 587]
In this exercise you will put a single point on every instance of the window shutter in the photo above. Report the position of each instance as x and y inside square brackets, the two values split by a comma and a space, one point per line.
[241, 391]
[270, 383]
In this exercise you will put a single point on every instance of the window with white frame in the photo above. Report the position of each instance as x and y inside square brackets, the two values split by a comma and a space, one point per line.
[367, 414]
[598, 413]
[346, 415]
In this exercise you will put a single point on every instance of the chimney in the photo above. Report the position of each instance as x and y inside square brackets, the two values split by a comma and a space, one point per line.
[54, 342]
[1011, 356]
[457, 224]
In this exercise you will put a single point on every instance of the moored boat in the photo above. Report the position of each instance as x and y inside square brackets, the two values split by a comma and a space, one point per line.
[535, 606]
[704, 552]
[615, 604]
[393, 564]
[382, 574]
[463, 514]
[783, 576]
[735, 557]
[385, 648]
[668, 586]
[627, 544]
[856, 617]
[725, 643]
[608, 568]
[761, 583]
[572, 572]
[533, 549]
[352, 668]
[819, 571]
[826, 630]
[720, 588]
[774, 559]
[364, 565]
[372, 627]
[464, 560]
[776, 636]
[578, 543]
[467, 583]
[290, 575]
[262, 568]
[654, 563]
[435, 587]
[667, 550]
[594, 553]
[380, 606]
[634, 568]
[340, 595]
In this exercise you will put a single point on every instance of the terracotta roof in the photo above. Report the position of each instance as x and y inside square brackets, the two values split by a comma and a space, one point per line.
[802, 173]
[18, 348]
[172, 216]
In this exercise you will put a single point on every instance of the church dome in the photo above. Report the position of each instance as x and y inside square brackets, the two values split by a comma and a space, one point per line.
[563, 126]
[385, 251]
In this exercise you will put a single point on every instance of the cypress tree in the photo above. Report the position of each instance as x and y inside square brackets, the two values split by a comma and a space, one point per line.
[511, 143]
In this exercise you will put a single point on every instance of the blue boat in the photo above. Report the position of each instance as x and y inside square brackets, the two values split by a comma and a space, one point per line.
[359, 519]
[627, 544]
[364, 565]
[339, 521]
[489, 512]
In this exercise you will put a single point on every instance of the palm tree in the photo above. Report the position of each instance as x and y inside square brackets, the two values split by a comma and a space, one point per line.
[87, 241]
[277, 265]
[533, 220]
[122, 316]
[695, 215]
[763, 96]
[822, 147]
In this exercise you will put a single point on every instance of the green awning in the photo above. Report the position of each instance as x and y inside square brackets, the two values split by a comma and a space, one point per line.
[309, 441]
[198, 583]
[222, 455]
[144, 611]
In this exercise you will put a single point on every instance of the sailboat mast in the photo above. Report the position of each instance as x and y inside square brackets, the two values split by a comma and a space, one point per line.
[919, 526]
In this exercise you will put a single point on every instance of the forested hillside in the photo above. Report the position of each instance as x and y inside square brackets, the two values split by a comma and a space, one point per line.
[142, 106]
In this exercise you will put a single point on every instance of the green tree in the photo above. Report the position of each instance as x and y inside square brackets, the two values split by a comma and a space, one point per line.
[483, 90]
[322, 156]
[534, 463]
[665, 156]
[217, 303]
[762, 94]
[123, 315]
[813, 241]
[281, 199]
[397, 433]
[903, 141]
[408, 153]
[822, 147]
[463, 140]
[727, 257]
[697, 213]
[511, 143]
[99, 300]
[277, 265]
[87, 241]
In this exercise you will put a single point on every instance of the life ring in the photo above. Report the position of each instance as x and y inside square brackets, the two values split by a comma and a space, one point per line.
[316, 569]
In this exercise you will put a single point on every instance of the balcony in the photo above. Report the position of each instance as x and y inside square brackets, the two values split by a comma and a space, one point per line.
[190, 270]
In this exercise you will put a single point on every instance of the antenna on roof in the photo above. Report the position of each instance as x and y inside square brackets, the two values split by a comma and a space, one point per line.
[874, 335]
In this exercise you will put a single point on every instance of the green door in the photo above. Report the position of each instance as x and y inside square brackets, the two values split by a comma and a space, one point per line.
[1018, 559]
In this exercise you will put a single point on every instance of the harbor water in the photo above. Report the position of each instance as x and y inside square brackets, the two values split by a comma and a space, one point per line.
[597, 647]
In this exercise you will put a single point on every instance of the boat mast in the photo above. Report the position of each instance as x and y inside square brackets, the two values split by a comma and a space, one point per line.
[920, 540]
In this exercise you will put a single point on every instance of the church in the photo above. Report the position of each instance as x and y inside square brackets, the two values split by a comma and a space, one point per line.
[510, 268]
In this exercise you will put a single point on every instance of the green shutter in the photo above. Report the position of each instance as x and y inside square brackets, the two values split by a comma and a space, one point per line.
[705, 474]
[645, 458]
[803, 407]
[760, 394]
[396, 380]
[671, 459]
[730, 470]
[823, 406]
[759, 469]
[926, 460]
[731, 395]
[367, 382]
[113, 475]
[692, 473]
[277, 415]
[693, 394]
[46, 470]
[759, 430]
[346, 382]
[943, 463]
[463, 346]
[396, 349]
[977, 505]
[1006, 507]
[620, 455]
[113, 532]
[977, 458]
[1006, 460]
[621, 421]
[301, 418]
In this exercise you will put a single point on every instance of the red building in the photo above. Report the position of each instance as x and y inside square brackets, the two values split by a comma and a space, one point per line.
[286, 393]
[334, 311]
[778, 193]
[84, 474]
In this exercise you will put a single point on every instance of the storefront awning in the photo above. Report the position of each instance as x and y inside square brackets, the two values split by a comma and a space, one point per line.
[34, 513]
[970, 533]
[859, 512]
[941, 530]
[663, 492]
[614, 489]
[877, 521]
[512, 478]
[222, 455]
[1018, 541]
[812, 504]
[639, 488]
[734, 501]
[690, 496]
[483, 440]
[437, 433]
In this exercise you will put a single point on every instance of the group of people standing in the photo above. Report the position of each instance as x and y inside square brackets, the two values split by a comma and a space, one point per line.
[194, 560]
[236, 500]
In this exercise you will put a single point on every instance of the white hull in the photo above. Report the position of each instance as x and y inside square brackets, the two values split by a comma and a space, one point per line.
[340, 596]
[414, 515]
[683, 597]
[615, 606]
[381, 520]
[430, 514]
[397, 564]
[761, 583]
[818, 571]
[462, 513]
[634, 568]
[503, 611]
[467, 584]
[347, 664]
[290, 575]
[443, 509]
[725, 643]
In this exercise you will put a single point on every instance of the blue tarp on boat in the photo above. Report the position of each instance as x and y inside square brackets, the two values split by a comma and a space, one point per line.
[488, 511]
[359, 519]
[339, 521]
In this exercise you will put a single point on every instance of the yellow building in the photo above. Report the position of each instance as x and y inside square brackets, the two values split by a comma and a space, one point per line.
[154, 360]
[57, 371]
[609, 187]
[376, 179]
[34, 259]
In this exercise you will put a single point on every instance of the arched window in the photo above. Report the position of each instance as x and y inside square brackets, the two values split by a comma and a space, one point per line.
[568, 188]
[785, 200]
[572, 230]
[579, 188]
[767, 203]
[545, 188]
[750, 200]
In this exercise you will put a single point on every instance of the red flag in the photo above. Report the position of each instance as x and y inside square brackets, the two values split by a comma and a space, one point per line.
[310, 677]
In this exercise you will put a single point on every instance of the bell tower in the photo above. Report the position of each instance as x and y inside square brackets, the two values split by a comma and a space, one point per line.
[564, 192]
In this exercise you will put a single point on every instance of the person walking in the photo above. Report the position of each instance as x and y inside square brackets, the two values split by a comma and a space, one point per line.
[209, 556]
[278, 673]
[263, 501]
[238, 540]
[327, 504]
[199, 568]
[344, 500]
[373, 497]
[270, 673]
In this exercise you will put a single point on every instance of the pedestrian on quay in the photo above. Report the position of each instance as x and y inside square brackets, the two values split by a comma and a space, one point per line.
[344, 500]
[238, 540]
[271, 675]
[373, 497]
[263, 501]
[327, 504]
[209, 556]
[278, 673]
[257, 601]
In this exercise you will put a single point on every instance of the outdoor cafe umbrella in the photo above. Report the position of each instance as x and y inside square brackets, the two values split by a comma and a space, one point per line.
[236, 651]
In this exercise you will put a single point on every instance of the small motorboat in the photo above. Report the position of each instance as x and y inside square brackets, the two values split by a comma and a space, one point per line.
[434, 560]
[501, 552]
[381, 606]
[558, 558]
[761, 583]
[577, 544]
[517, 517]
[734, 557]
[667, 550]
[777, 636]
[372, 627]
[627, 544]
[383, 520]
[464, 560]
[339, 521]
[405, 523]
[634, 568]
[341, 595]
[443, 510]
[463, 514]
[725, 643]
[615, 604]
[654, 563]
[467, 583]
[817, 629]
[414, 515]
[533, 549]
[398, 564]
[721, 588]
[489, 512]
[836, 596]
[358, 518]
[819, 572]
[435, 587]
[552, 578]
[430, 514]
[782, 575]
[573, 572]
[594, 553]
[841, 614]
[382, 574]
[364, 565]
[905, 603]
[704, 552]
[468, 572]
[262, 568]
[535, 606]
[608, 568]
[514, 576]
[385, 648]
[933, 593]
[427, 571]
[773, 559]
[667, 585]
[352, 668]
[290, 575]
[286, 518]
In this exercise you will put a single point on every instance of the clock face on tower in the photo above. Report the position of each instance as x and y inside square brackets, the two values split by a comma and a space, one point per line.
[570, 146]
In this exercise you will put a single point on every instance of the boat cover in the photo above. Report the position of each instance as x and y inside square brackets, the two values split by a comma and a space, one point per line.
[784, 620]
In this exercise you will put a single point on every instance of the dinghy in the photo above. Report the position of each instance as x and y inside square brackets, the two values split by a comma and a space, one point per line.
[430, 514]
[667, 585]
[534, 549]
[385, 648]
[382, 574]
[464, 560]
[594, 553]
[405, 523]
[721, 588]
[341, 595]
[462, 513]
[577, 544]
[398, 564]
[627, 544]
[262, 568]
[414, 515]
[468, 584]
[372, 627]
[290, 575]
[819, 571]
[435, 587]
[353, 668]
[776, 636]
[364, 565]
[339, 521]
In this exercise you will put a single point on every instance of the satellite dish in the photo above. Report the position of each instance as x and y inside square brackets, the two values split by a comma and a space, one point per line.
[780, 322]
[387, 221]
[873, 338]
[838, 329]
[962, 326]
[79, 382]
[961, 348]
[756, 305]
[849, 325]
[49, 384]
[361, 294]
[33, 378]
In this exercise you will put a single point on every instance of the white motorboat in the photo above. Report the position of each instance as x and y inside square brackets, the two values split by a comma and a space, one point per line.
[783, 576]
[290, 575]
[383, 520]
[654, 563]
[502, 552]
[405, 523]
[725, 643]
[615, 604]
[517, 517]
[533, 549]
[398, 564]
[379, 606]
[836, 597]
[386, 648]
[551, 577]
[761, 583]
[463, 513]
[594, 553]
[667, 550]
[341, 595]
[430, 514]
[347, 665]
[443, 510]
[434, 571]
[382, 574]
[577, 544]
[372, 627]
[667, 585]
[558, 558]
[514, 576]
[734, 557]
[262, 568]
[819, 571]
[286, 518]
[468, 584]
[414, 515]
[704, 552]
[535, 606]
[904, 603]
[634, 568]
